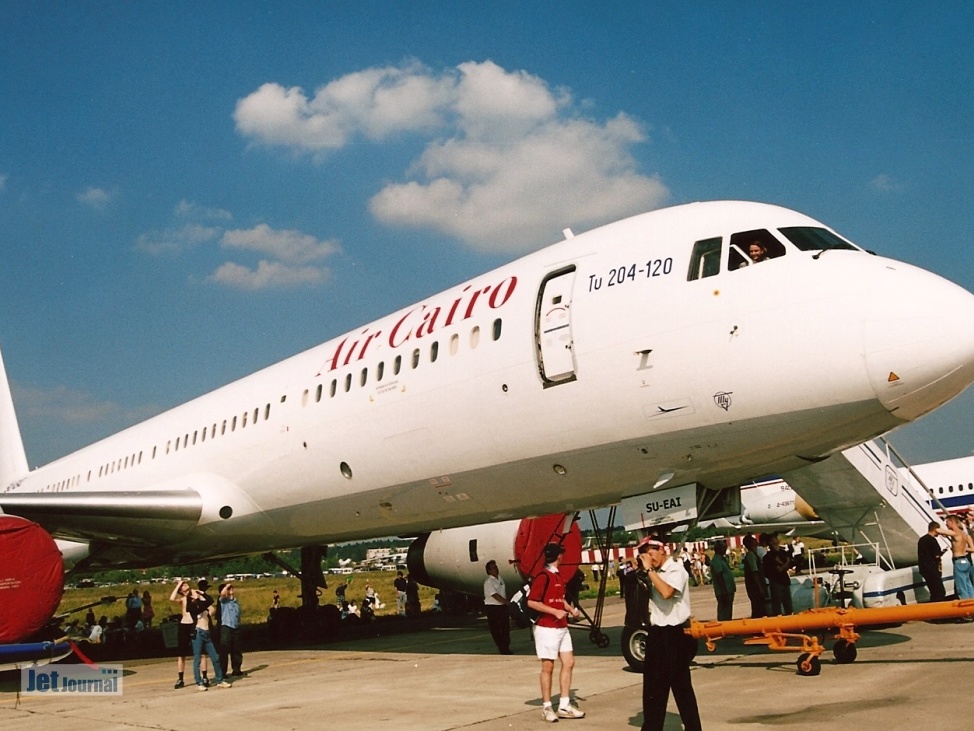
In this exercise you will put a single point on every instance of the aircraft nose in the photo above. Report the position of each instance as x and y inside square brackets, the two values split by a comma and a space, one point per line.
[919, 341]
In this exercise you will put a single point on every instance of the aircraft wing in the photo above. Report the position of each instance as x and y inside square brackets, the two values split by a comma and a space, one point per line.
[143, 517]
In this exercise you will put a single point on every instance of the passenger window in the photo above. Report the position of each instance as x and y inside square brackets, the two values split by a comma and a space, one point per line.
[497, 329]
[753, 247]
[415, 357]
[705, 260]
[380, 370]
[397, 365]
[454, 344]
[434, 351]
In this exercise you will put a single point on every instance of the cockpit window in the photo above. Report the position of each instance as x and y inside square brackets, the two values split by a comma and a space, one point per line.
[812, 238]
[752, 247]
[705, 261]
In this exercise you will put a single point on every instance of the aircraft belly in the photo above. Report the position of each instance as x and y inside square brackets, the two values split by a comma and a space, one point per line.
[600, 475]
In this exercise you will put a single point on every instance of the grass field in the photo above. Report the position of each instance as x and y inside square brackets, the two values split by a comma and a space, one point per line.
[254, 595]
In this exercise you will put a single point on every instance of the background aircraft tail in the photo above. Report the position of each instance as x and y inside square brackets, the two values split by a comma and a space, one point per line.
[13, 459]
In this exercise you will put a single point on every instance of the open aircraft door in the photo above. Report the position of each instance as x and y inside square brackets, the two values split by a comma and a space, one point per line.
[553, 328]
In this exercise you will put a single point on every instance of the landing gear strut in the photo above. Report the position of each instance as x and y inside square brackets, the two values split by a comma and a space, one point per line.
[312, 618]
[596, 635]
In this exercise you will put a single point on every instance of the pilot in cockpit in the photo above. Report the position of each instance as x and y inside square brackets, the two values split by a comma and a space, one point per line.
[757, 251]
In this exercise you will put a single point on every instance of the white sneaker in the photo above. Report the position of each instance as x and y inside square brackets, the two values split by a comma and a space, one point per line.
[201, 688]
[570, 712]
[549, 715]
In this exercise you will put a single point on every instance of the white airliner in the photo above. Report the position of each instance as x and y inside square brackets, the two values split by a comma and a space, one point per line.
[950, 483]
[772, 504]
[640, 354]
[767, 505]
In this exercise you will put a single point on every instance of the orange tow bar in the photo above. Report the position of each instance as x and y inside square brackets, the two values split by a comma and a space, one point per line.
[789, 633]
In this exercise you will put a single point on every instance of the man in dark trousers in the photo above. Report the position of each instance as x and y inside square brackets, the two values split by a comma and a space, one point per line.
[668, 649]
[929, 552]
[776, 563]
[495, 604]
[231, 656]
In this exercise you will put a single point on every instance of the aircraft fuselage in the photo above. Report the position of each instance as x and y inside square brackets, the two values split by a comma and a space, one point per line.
[624, 358]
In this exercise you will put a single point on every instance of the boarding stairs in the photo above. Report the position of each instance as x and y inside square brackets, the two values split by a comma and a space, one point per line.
[863, 496]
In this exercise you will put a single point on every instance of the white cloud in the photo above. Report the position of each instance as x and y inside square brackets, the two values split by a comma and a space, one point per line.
[884, 183]
[292, 247]
[188, 209]
[96, 198]
[509, 198]
[289, 258]
[267, 275]
[176, 240]
[293, 259]
[372, 103]
[61, 404]
[509, 162]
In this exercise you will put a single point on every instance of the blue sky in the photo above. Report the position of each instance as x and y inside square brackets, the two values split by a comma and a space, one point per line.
[191, 191]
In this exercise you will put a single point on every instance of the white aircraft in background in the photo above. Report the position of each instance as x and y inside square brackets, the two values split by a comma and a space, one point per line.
[950, 483]
[773, 505]
[767, 505]
[640, 354]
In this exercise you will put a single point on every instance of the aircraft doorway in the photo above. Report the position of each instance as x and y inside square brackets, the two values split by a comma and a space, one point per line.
[553, 328]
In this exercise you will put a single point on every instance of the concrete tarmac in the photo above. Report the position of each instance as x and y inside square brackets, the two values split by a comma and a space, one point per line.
[454, 679]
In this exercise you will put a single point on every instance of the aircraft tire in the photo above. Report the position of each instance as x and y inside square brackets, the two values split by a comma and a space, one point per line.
[844, 651]
[808, 664]
[634, 647]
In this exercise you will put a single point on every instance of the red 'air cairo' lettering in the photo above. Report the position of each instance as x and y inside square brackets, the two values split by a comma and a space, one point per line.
[421, 321]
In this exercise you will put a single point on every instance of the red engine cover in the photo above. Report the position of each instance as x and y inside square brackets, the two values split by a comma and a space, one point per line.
[31, 578]
[535, 533]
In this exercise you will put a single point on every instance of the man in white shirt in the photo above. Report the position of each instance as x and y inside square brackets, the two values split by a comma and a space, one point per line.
[668, 649]
[495, 603]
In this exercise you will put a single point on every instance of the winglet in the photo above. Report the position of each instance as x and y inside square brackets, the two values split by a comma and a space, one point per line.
[13, 459]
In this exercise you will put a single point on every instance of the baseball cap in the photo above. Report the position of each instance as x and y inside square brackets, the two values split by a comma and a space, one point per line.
[552, 551]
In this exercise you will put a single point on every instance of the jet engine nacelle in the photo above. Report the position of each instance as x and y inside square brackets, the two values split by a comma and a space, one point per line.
[454, 559]
[774, 502]
[31, 578]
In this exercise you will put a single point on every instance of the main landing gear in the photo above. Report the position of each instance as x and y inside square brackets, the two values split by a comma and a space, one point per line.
[312, 619]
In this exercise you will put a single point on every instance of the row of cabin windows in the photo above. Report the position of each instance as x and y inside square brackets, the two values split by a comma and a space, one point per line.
[252, 417]
[187, 440]
[173, 445]
[118, 465]
[950, 488]
[415, 358]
